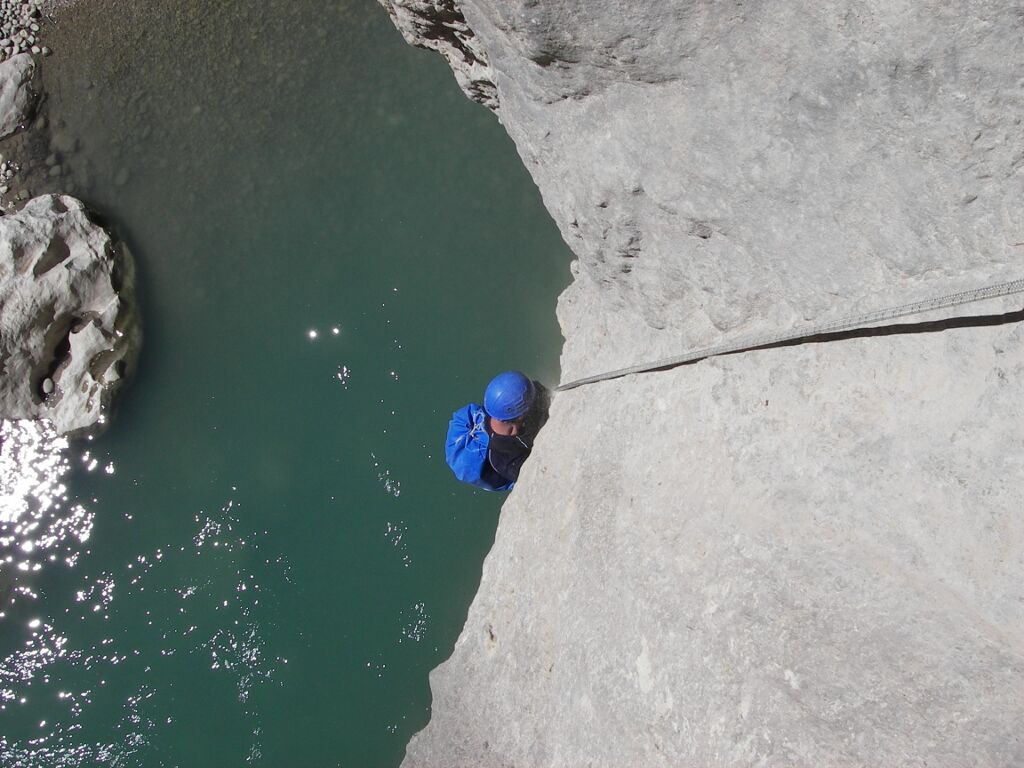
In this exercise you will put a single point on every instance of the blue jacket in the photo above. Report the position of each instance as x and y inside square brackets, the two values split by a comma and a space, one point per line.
[466, 448]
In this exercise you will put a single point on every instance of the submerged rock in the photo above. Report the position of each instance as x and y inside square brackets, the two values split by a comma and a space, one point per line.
[68, 332]
[796, 557]
[17, 98]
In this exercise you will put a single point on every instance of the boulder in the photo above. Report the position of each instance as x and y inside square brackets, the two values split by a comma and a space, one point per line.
[17, 98]
[68, 331]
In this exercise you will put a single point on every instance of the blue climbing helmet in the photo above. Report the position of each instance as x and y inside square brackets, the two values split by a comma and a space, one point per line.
[509, 396]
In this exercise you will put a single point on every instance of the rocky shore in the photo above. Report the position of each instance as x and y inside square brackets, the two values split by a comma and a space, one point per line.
[19, 25]
[795, 557]
[69, 333]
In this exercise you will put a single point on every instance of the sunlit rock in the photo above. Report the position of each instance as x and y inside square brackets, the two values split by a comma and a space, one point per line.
[796, 557]
[16, 95]
[68, 332]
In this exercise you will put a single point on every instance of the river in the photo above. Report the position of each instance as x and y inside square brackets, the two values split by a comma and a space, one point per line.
[263, 557]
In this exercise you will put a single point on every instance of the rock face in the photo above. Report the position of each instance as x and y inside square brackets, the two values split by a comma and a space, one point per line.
[779, 559]
[438, 25]
[16, 95]
[68, 334]
[803, 556]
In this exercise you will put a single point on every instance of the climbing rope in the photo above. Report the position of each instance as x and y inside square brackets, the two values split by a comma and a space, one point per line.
[854, 322]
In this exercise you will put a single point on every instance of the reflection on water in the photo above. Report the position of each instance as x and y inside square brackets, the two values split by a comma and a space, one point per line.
[319, 218]
[193, 612]
[38, 524]
[391, 486]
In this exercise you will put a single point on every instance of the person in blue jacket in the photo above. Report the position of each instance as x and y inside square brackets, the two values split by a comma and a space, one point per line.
[487, 445]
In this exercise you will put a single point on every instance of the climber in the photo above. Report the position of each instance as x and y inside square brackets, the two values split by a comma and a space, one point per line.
[487, 445]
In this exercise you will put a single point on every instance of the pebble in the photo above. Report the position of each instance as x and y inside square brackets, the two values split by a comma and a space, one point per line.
[20, 23]
[47, 386]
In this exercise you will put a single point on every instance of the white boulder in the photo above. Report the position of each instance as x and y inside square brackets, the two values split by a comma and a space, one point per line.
[16, 95]
[68, 332]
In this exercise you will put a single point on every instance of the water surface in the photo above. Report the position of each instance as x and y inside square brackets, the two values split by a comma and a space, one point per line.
[335, 249]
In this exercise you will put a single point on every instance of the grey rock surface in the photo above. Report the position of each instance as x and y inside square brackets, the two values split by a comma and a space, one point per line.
[725, 169]
[17, 98]
[68, 331]
[804, 556]
[807, 556]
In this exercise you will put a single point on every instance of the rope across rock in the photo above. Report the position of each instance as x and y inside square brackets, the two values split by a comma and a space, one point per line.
[852, 322]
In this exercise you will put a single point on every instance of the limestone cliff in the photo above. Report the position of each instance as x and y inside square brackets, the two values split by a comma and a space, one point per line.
[803, 556]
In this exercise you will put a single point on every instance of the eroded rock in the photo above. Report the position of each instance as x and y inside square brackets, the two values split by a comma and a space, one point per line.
[439, 25]
[68, 332]
[17, 98]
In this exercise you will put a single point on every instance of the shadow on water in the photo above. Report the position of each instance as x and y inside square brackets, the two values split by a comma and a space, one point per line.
[278, 555]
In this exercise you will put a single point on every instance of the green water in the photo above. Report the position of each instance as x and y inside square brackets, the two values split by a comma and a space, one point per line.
[278, 555]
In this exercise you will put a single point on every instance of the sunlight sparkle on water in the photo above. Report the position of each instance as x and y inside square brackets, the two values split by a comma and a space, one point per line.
[391, 486]
[229, 579]
[343, 374]
[394, 533]
[37, 520]
[416, 622]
